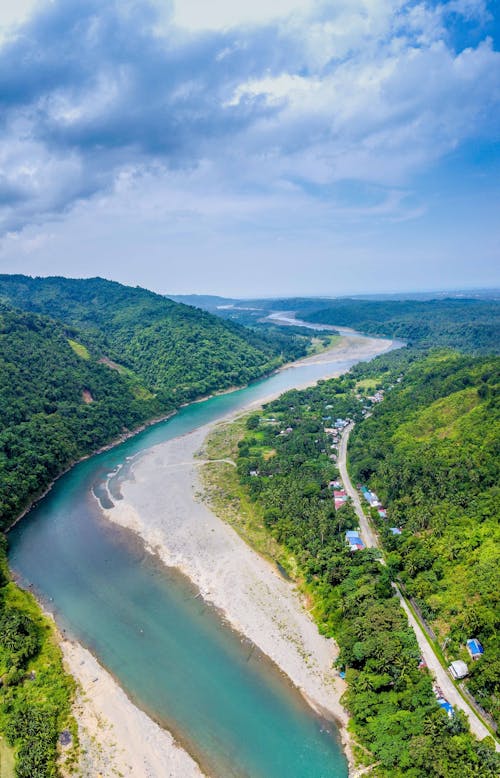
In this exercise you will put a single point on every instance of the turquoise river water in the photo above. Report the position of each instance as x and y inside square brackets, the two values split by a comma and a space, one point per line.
[229, 706]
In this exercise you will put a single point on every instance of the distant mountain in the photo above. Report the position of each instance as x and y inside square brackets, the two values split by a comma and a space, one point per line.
[209, 302]
[471, 325]
[468, 321]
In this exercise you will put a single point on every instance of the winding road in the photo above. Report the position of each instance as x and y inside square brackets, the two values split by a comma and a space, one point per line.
[369, 537]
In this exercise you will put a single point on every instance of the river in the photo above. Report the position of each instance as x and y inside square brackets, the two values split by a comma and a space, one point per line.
[231, 708]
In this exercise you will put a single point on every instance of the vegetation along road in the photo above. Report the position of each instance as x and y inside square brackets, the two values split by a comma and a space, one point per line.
[450, 692]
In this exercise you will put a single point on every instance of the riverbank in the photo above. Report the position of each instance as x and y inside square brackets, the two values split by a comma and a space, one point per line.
[141, 428]
[116, 738]
[161, 502]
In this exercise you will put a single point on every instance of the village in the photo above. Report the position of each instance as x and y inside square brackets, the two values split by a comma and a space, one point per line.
[458, 669]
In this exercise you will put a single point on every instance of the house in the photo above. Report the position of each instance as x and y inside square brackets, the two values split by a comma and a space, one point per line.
[340, 497]
[458, 669]
[445, 705]
[371, 498]
[474, 648]
[354, 541]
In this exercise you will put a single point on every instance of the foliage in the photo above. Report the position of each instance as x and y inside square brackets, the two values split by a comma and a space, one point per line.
[430, 450]
[178, 352]
[467, 324]
[285, 465]
[35, 692]
[45, 423]
[110, 358]
[107, 359]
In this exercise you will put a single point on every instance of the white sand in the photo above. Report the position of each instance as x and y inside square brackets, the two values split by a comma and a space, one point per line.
[162, 504]
[116, 738]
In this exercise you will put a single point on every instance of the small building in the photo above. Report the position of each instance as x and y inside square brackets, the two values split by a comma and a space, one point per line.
[395, 530]
[445, 705]
[353, 539]
[382, 513]
[371, 498]
[474, 648]
[458, 669]
[340, 497]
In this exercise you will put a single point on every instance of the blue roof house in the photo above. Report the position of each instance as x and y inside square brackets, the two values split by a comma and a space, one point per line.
[474, 648]
[446, 706]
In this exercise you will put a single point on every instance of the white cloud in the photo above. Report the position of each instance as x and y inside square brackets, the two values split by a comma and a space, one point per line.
[12, 14]
[242, 126]
[197, 15]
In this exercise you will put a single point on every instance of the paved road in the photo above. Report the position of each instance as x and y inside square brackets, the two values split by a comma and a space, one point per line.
[370, 540]
[367, 534]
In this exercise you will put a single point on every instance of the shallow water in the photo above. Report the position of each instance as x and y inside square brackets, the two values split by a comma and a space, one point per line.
[176, 658]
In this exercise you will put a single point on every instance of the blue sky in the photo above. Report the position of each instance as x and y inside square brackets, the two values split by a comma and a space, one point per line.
[252, 148]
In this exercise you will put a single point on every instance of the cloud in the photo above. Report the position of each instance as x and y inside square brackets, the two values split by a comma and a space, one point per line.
[277, 99]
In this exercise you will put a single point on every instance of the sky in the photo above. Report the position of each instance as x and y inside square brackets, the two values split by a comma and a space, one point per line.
[252, 148]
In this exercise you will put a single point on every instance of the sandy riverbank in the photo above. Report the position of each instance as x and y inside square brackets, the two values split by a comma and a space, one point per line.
[116, 738]
[350, 347]
[161, 502]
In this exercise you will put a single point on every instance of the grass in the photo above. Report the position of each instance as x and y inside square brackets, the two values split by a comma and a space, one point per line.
[50, 686]
[138, 390]
[367, 384]
[320, 344]
[228, 499]
[79, 349]
[141, 393]
[6, 760]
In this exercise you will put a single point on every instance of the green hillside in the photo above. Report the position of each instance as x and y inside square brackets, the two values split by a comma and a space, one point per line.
[108, 358]
[179, 352]
[431, 452]
[56, 403]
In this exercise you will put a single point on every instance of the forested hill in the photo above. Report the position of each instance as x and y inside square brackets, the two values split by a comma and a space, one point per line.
[431, 452]
[179, 352]
[468, 325]
[87, 361]
[57, 402]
